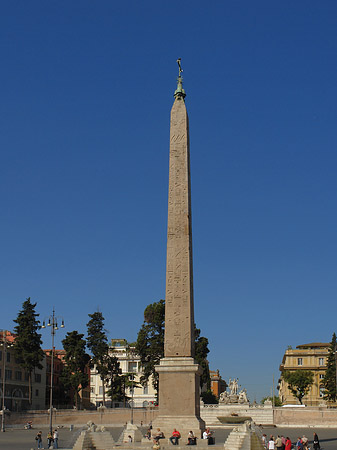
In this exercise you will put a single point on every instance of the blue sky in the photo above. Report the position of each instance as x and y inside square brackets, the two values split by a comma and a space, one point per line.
[87, 89]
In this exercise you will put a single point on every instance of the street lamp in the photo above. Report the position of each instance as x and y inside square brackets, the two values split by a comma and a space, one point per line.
[5, 345]
[52, 322]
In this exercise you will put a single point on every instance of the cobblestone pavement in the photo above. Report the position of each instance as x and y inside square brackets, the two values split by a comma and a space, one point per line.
[20, 439]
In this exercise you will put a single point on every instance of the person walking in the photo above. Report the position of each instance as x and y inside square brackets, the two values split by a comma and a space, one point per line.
[288, 444]
[271, 443]
[38, 439]
[278, 443]
[56, 439]
[49, 439]
[316, 442]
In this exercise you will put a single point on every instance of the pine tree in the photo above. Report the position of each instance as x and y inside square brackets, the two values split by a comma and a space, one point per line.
[150, 341]
[27, 345]
[74, 376]
[329, 380]
[97, 343]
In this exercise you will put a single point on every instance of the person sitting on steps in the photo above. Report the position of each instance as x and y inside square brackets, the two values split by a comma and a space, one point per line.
[175, 437]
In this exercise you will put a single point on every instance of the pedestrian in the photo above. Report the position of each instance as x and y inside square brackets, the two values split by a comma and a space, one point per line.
[283, 442]
[299, 444]
[49, 439]
[316, 442]
[38, 439]
[56, 439]
[271, 443]
[288, 444]
[278, 443]
[264, 441]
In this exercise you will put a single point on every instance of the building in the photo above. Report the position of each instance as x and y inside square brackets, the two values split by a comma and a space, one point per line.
[129, 362]
[17, 380]
[311, 357]
[218, 385]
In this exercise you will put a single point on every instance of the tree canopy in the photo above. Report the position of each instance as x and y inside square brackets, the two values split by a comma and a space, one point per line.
[150, 345]
[329, 380]
[97, 343]
[27, 344]
[74, 375]
[299, 382]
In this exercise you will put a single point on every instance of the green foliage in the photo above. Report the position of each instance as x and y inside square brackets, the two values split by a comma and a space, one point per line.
[97, 342]
[329, 380]
[27, 345]
[150, 345]
[150, 341]
[277, 400]
[74, 376]
[299, 382]
[209, 398]
[201, 352]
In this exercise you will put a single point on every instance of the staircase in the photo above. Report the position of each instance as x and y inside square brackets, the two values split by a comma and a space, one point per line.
[97, 440]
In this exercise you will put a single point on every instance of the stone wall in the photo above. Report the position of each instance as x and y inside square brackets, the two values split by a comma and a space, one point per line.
[259, 413]
[118, 416]
[308, 416]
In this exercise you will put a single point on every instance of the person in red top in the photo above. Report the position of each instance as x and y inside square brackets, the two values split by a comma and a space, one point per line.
[288, 444]
[175, 437]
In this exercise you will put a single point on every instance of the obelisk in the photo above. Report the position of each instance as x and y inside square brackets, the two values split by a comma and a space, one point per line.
[179, 375]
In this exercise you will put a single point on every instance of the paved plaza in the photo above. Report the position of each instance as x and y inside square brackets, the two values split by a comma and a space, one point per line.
[19, 439]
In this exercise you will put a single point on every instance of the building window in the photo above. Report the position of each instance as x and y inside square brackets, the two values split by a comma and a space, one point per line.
[321, 376]
[146, 390]
[92, 390]
[321, 361]
[132, 367]
[300, 361]
[321, 392]
[8, 357]
[36, 392]
[37, 378]
[101, 390]
[18, 376]
[8, 374]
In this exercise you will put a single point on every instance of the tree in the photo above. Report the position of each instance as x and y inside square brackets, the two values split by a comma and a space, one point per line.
[150, 345]
[201, 352]
[27, 345]
[150, 341]
[329, 380]
[74, 376]
[299, 382]
[97, 342]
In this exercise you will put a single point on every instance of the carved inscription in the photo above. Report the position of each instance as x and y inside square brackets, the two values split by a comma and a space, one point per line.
[179, 294]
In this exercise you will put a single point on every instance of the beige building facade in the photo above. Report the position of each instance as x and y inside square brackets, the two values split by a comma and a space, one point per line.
[311, 357]
[129, 362]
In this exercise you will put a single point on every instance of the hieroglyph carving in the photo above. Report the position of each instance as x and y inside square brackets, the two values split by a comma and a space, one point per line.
[179, 292]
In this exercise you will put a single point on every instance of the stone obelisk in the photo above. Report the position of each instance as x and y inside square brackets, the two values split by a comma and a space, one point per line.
[179, 375]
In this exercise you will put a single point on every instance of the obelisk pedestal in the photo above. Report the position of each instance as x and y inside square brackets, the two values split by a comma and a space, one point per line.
[179, 375]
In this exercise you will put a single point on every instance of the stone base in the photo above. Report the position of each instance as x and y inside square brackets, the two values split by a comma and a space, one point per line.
[179, 397]
[133, 431]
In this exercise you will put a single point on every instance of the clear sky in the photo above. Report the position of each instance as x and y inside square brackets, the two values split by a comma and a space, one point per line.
[86, 93]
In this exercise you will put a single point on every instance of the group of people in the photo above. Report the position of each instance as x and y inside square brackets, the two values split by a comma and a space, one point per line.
[191, 438]
[284, 443]
[52, 439]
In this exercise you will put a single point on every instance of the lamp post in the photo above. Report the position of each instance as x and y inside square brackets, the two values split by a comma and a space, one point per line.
[5, 345]
[52, 322]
